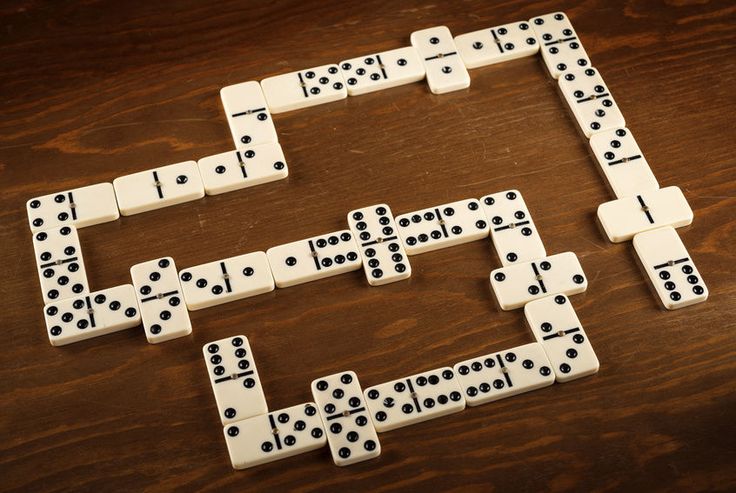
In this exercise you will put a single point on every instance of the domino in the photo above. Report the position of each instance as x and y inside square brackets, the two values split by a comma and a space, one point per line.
[234, 379]
[670, 268]
[161, 187]
[80, 207]
[315, 258]
[350, 432]
[559, 44]
[556, 327]
[60, 263]
[274, 436]
[518, 284]
[91, 315]
[590, 101]
[622, 162]
[444, 68]
[247, 114]
[243, 168]
[226, 280]
[304, 88]
[381, 71]
[384, 257]
[623, 218]
[442, 226]
[497, 44]
[157, 287]
[414, 399]
[504, 374]
[515, 237]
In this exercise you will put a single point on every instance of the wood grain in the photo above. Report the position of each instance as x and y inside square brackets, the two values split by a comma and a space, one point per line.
[96, 89]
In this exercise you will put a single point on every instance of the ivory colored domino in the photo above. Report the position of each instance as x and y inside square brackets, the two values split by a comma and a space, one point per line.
[651, 209]
[160, 187]
[80, 207]
[670, 268]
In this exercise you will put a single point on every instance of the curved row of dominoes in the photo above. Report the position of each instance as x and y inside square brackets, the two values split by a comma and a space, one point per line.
[642, 212]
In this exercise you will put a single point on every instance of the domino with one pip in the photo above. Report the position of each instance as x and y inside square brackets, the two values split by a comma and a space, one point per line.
[160, 187]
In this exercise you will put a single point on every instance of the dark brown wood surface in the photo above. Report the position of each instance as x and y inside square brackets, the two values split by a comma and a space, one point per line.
[97, 89]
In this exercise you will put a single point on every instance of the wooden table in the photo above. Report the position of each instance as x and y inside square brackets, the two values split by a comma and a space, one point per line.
[102, 89]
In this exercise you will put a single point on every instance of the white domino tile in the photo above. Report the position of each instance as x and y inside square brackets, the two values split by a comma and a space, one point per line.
[590, 101]
[445, 70]
[384, 257]
[559, 44]
[242, 168]
[504, 374]
[160, 187]
[60, 263]
[274, 436]
[163, 311]
[304, 88]
[497, 44]
[226, 280]
[623, 218]
[350, 432]
[622, 162]
[514, 234]
[234, 379]
[314, 258]
[556, 327]
[442, 226]
[247, 114]
[518, 284]
[381, 71]
[91, 315]
[414, 399]
[80, 207]
[670, 268]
